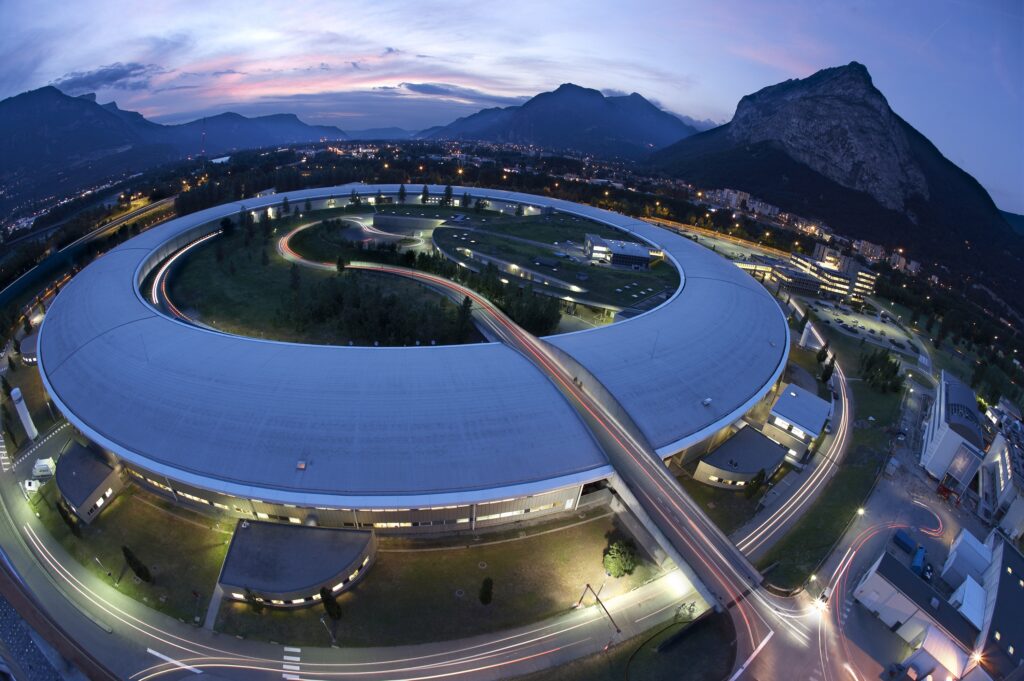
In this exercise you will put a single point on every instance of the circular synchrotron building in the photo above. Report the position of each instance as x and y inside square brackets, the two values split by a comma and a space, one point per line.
[409, 438]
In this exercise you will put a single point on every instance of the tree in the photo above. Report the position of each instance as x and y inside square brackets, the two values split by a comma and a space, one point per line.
[341, 264]
[463, 325]
[354, 199]
[65, 515]
[487, 591]
[27, 326]
[309, 206]
[331, 606]
[803, 321]
[425, 194]
[823, 353]
[296, 277]
[447, 199]
[620, 559]
[255, 603]
[830, 366]
[466, 202]
[137, 566]
[380, 198]
[227, 226]
[480, 205]
[284, 206]
[401, 193]
[519, 210]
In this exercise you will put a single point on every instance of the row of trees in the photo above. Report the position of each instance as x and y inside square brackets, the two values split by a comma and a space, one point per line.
[538, 314]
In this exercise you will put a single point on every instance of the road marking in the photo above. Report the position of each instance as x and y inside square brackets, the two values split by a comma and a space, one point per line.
[739, 672]
[291, 667]
[173, 661]
[292, 658]
[652, 614]
[292, 649]
[39, 444]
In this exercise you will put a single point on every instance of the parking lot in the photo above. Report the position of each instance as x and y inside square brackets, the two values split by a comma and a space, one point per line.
[879, 329]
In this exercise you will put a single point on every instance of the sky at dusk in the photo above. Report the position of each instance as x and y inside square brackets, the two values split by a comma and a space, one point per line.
[954, 70]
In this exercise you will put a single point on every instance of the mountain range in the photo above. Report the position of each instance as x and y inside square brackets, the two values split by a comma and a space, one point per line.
[830, 147]
[51, 142]
[574, 118]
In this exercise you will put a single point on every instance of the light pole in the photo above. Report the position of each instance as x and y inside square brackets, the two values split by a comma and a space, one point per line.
[599, 602]
[334, 641]
[104, 568]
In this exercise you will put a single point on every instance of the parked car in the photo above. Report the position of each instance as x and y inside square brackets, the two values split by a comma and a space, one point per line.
[902, 540]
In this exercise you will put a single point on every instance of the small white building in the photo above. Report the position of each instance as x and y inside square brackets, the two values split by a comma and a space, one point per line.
[796, 420]
[952, 447]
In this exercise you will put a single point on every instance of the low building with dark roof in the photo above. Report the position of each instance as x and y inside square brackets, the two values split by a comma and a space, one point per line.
[953, 444]
[285, 565]
[740, 459]
[30, 348]
[87, 481]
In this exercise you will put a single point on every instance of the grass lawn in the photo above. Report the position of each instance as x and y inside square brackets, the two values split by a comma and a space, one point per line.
[728, 509]
[417, 596]
[603, 284]
[183, 550]
[704, 653]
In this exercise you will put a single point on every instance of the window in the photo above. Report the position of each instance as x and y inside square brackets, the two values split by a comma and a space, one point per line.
[235, 594]
[99, 502]
[713, 478]
[262, 516]
[109, 492]
[782, 423]
[798, 433]
[998, 636]
[295, 521]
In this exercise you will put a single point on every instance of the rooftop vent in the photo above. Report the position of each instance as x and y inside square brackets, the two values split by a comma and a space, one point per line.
[301, 465]
[706, 401]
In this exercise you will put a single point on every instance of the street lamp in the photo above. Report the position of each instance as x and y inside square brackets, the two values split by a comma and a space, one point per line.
[860, 511]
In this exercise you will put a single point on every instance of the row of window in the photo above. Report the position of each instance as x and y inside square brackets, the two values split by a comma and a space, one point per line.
[308, 599]
[734, 483]
[260, 515]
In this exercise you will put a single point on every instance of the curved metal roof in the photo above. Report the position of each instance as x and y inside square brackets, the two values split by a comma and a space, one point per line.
[393, 426]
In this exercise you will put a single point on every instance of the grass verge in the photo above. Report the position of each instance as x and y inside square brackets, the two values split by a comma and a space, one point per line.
[418, 596]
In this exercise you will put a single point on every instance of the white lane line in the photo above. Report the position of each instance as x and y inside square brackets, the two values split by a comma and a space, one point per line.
[173, 661]
[292, 649]
[652, 614]
[739, 672]
[292, 658]
[291, 667]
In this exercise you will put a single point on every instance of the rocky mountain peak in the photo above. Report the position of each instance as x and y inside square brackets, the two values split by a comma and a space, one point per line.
[839, 124]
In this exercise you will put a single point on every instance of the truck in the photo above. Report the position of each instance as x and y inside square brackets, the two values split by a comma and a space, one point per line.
[44, 468]
[903, 541]
[917, 565]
